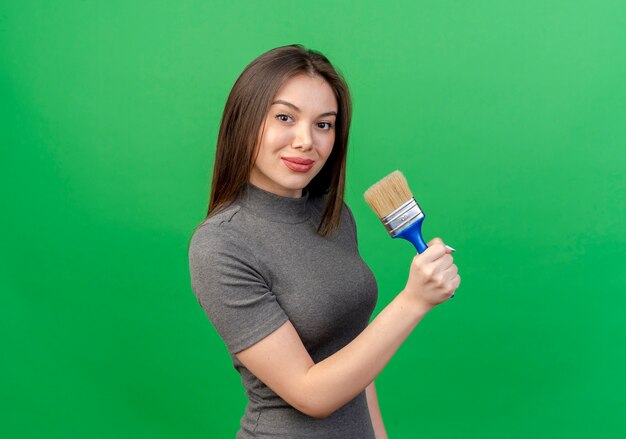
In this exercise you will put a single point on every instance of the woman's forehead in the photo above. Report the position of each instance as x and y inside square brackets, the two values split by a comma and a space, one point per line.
[306, 92]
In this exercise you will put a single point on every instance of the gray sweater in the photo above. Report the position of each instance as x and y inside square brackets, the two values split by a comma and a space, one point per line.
[259, 263]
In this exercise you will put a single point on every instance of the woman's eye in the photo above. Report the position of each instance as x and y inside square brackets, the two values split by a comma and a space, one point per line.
[283, 117]
[325, 125]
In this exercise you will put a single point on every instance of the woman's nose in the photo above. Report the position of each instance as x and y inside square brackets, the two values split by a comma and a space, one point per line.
[303, 138]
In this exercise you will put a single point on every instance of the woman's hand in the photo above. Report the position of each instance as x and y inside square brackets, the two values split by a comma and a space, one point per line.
[433, 277]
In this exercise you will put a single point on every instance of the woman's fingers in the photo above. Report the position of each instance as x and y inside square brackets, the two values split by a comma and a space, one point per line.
[443, 263]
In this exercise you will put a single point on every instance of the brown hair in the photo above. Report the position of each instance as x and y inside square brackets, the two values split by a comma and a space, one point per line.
[245, 110]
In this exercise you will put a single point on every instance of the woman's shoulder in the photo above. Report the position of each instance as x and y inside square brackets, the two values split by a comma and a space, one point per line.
[217, 230]
[223, 216]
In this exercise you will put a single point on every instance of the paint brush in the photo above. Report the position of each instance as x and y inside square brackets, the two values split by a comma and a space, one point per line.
[396, 207]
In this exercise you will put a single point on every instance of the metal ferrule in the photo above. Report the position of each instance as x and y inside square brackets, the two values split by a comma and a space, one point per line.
[402, 217]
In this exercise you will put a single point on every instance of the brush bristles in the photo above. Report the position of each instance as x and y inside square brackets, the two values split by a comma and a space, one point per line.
[388, 194]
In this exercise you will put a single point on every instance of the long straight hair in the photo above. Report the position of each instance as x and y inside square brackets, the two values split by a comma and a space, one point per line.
[245, 110]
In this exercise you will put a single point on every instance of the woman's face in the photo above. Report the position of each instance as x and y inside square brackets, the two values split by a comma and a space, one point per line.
[296, 137]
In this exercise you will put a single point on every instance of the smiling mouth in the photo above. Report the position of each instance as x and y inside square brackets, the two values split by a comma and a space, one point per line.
[298, 160]
[297, 164]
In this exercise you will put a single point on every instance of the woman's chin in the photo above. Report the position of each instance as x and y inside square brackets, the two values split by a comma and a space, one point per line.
[292, 186]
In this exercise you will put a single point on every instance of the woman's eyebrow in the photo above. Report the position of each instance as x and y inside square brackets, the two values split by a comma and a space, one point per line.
[289, 104]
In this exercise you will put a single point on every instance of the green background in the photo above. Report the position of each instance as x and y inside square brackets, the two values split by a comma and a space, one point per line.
[508, 119]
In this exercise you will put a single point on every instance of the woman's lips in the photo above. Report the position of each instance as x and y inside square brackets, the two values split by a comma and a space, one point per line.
[298, 164]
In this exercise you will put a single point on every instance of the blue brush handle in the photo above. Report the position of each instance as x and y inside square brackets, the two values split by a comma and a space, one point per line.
[413, 234]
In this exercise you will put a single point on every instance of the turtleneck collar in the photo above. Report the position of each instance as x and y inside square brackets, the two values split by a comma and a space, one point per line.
[276, 208]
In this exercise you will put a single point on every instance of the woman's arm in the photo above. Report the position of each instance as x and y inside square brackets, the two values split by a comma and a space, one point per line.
[374, 408]
[281, 361]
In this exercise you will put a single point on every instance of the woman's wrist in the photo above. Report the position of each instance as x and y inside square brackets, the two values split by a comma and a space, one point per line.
[414, 304]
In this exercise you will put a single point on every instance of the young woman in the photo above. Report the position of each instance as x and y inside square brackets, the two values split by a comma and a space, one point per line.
[275, 264]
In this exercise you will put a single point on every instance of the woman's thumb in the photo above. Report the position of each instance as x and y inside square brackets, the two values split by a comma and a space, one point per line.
[435, 241]
[440, 241]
